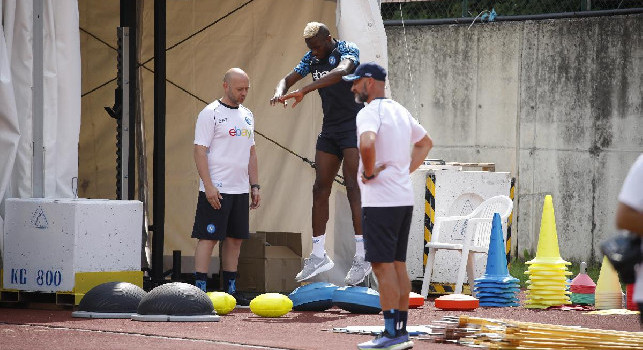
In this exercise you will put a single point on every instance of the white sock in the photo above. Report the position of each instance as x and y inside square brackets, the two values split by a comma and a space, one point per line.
[359, 246]
[318, 246]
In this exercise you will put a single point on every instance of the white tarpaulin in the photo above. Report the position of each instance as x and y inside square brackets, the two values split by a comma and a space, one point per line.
[260, 36]
[61, 80]
[9, 131]
[265, 39]
[61, 57]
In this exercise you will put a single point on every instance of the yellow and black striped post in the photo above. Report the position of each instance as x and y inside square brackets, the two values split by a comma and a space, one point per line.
[429, 213]
[509, 222]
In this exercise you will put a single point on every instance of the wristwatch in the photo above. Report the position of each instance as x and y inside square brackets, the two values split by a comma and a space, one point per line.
[255, 186]
[368, 177]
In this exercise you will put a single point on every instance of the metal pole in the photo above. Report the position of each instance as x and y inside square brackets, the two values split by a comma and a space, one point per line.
[465, 8]
[159, 141]
[176, 265]
[126, 117]
[38, 165]
[130, 102]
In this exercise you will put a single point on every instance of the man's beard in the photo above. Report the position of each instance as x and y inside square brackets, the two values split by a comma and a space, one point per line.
[234, 99]
[361, 97]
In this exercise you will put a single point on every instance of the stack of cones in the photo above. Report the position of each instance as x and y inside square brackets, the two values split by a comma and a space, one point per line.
[583, 287]
[496, 287]
[608, 288]
[547, 271]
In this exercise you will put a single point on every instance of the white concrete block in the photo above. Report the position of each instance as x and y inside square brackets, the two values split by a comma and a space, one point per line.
[47, 241]
[456, 193]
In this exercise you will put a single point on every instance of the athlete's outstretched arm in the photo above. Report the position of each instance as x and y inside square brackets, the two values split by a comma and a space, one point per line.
[282, 87]
[344, 67]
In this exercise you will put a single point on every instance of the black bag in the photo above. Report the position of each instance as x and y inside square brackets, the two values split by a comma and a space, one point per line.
[624, 253]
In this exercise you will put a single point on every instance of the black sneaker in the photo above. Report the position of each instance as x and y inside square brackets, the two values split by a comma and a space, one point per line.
[241, 300]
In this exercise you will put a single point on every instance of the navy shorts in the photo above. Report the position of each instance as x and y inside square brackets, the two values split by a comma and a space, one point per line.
[386, 233]
[335, 143]
[229, 221]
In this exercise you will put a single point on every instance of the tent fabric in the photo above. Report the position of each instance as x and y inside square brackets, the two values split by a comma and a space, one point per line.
[61, 57]
[361, 22]
[204, 39]
[61, 83]
[9, 126]
[265, 39]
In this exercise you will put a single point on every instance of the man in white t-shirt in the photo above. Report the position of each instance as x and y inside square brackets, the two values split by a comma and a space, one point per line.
[385, 133]
[629, 216]
[225, 157]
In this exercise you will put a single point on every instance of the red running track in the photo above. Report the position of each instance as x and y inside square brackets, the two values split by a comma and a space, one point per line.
[56, 329]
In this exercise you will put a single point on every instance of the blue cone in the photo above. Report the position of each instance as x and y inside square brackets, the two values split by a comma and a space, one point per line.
[496, 257]
[496, 288]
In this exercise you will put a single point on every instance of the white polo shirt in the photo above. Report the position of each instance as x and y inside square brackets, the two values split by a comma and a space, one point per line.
[632, 196]
[228, 133]
[396, 131]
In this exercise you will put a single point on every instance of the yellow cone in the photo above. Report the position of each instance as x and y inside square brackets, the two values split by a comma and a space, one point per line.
[608, 281]
[547, 251]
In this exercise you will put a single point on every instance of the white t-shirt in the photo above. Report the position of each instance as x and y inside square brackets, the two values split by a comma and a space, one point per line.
[228, 133]
[396, 131]
[632, 196]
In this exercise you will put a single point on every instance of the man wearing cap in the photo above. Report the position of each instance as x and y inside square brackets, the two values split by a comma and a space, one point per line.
[385, 129]
[328, 61]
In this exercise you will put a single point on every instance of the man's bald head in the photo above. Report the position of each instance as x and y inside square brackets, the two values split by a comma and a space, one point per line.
[234, 73]
[236, 84]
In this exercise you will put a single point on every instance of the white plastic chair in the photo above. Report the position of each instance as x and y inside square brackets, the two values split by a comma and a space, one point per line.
[474, 234]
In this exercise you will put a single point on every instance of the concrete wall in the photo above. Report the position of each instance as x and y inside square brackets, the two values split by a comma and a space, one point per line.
[555, 102]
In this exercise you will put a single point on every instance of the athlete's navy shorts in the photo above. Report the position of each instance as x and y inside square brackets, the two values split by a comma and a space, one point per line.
[229, 221]
[335, 143]
[386, 233]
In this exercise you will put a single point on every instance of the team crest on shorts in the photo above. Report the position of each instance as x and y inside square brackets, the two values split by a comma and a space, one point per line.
[248, 121]
[332, 60]
[211, 229]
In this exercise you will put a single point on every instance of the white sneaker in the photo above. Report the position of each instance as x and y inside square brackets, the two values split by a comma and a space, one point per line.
[313, 266]
[359, 270]
[385, 342]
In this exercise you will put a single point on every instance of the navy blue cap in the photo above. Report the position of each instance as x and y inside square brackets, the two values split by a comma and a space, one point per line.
[367, 70]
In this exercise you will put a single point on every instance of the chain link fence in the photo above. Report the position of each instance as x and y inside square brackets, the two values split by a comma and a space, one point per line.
[440, 9]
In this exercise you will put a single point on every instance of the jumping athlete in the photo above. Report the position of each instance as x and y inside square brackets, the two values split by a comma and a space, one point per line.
[328, 61]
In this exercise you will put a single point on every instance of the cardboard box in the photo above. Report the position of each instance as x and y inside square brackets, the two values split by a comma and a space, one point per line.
[269, 261]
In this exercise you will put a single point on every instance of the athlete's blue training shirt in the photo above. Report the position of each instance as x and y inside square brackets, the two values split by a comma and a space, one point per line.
[338, 102]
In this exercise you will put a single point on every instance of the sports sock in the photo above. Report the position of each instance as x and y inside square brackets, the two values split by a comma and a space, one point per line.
[359, 246]
[389, 321]
[200, 280]
[400, 324]
[318, 246]
[229, 281]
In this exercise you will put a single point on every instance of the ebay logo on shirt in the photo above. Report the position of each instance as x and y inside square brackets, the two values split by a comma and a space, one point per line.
[240, 132]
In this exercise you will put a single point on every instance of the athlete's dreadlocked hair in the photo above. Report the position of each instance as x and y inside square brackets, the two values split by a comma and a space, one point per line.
[314, 28]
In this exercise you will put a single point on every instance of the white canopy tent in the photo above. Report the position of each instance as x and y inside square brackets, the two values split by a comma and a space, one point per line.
[60, 96]
[262, 37]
